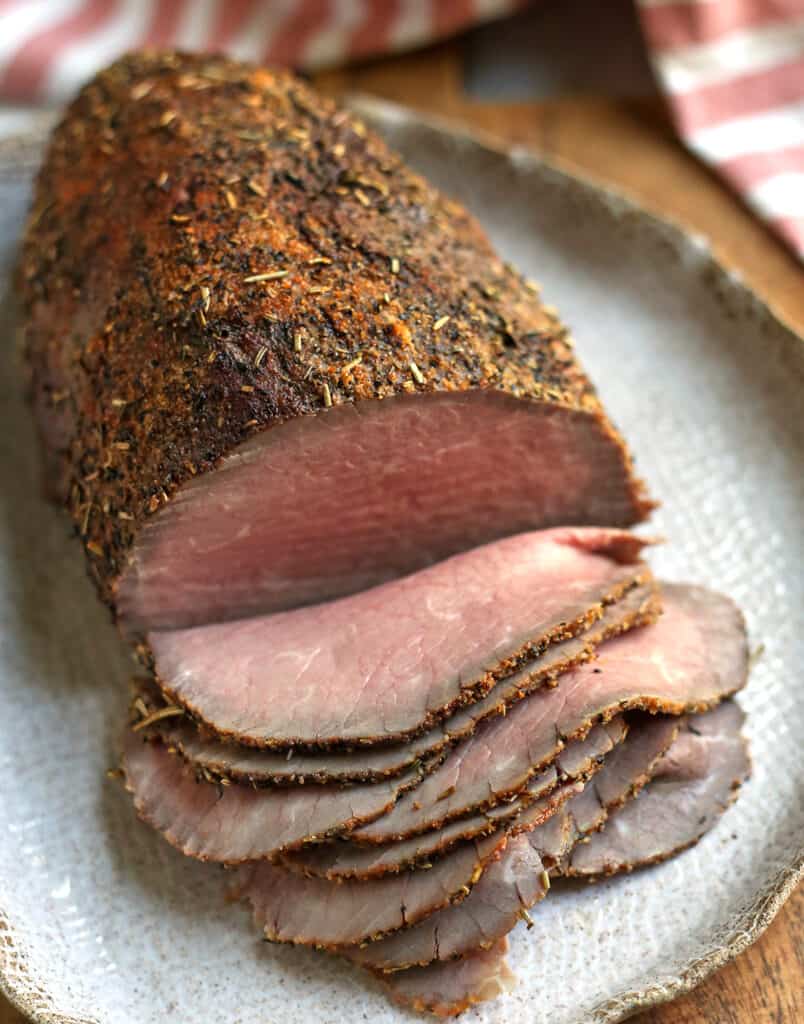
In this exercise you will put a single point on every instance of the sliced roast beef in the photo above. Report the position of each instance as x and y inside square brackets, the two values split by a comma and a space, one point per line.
[348, 860]
[274, 366]
[230, 823]
[509, 887]
[348, 913]
[291, 907]
[345, 859]
[626, 771]
[695, 655]
[492, 766]
[518, 878]
[447, 989]
[693, 784]
[214, 760]
[258, 766]
[388, 662]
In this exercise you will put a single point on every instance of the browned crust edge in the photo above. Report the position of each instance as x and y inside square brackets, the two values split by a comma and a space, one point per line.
[164, 305]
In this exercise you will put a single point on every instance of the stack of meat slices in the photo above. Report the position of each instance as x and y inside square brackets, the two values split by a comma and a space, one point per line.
[345, 487]
[400, 771]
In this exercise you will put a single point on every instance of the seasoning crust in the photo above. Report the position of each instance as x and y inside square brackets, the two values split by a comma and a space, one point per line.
[213, 249]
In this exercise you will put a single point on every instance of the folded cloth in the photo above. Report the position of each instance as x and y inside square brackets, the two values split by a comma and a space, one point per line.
[733, 74]
[48, 48]
[732, 70]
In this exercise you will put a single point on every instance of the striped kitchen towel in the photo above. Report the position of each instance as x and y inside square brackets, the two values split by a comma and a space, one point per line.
[733, 73]
[732, 70]
[48, 48]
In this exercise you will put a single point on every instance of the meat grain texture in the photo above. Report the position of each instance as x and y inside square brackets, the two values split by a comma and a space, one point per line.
[272, 367]
[374, 667]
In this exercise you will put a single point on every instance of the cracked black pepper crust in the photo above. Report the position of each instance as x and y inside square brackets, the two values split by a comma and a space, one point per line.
[214, 249]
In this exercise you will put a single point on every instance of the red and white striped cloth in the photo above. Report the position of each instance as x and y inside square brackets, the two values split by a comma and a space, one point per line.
[733, 73]
[732, 70]
[49, 47]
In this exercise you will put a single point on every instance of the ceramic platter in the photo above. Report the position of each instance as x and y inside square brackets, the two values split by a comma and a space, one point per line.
[100, 920]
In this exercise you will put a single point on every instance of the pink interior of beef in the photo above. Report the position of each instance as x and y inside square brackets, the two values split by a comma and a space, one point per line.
[379, 663]
[331, 504]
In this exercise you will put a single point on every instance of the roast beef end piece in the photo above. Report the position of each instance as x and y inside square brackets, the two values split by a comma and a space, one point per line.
[319, 405]
[230, 823]
[447, 989]
[694, 782]
[387, 663]
[328, 505]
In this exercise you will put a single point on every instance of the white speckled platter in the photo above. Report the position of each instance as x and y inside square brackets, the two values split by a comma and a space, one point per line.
[101, 921]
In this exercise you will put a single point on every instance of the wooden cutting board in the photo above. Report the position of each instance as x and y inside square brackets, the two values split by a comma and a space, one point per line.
[630, 145]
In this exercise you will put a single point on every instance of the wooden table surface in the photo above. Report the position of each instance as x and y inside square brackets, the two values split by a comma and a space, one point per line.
[630, 144]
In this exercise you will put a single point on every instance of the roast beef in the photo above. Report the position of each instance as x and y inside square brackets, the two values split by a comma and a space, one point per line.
[353, 860]
[346, 489]
[349, 859]
[260, 766]
[447, 989]
[493, 872]
[509, 887]
[214, 759]
[231, 823]
[388, 662]
[693, 784]
[272, 365]
[693, 657]
[518, 878]
[291, 907]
